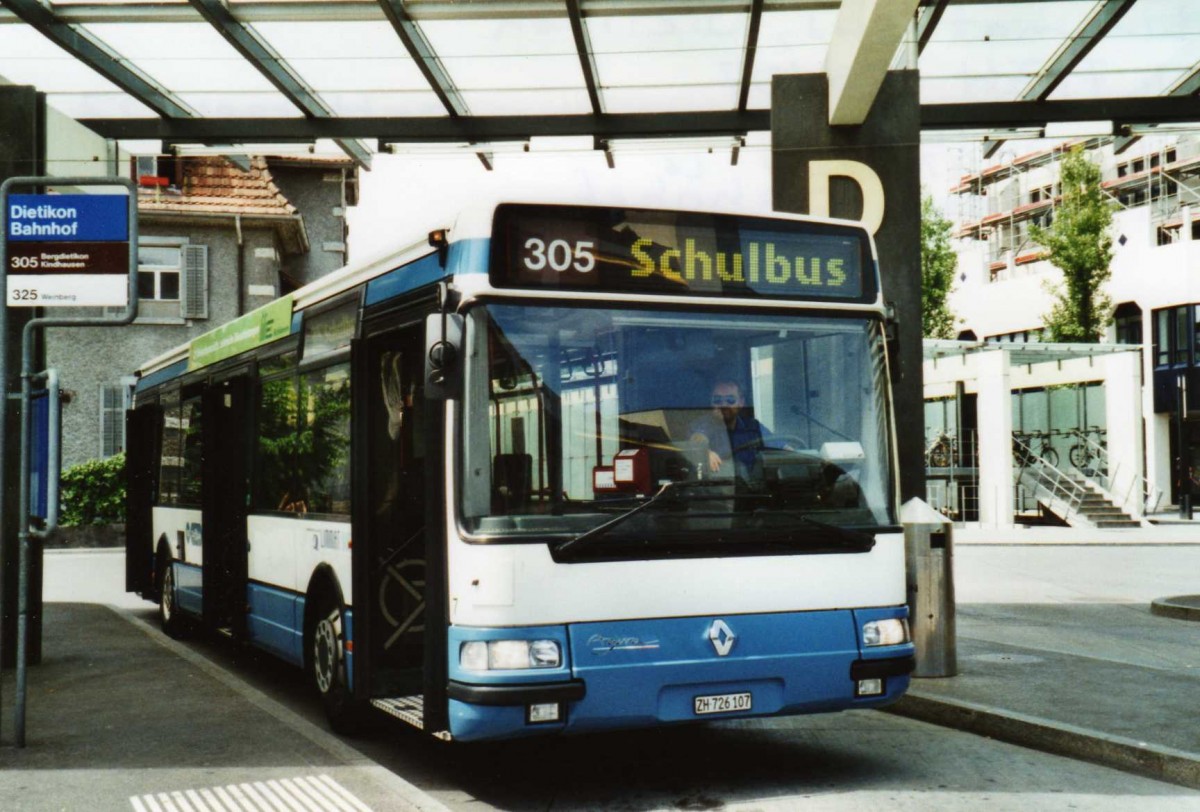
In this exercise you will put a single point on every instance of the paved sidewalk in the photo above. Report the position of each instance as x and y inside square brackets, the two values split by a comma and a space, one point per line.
[112, 674]
[1109, 683]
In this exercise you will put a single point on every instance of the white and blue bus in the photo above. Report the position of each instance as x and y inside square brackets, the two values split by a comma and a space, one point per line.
[552, 469]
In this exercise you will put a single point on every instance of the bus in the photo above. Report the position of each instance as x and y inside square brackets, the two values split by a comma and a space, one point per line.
[550, 469]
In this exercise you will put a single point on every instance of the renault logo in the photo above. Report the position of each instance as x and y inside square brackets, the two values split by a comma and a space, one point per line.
[722, 637]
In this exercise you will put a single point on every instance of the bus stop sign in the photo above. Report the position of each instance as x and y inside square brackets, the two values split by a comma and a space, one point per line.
[67, 250]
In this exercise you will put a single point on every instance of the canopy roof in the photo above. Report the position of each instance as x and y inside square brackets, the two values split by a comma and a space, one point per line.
[367, 74]
[1020, 353]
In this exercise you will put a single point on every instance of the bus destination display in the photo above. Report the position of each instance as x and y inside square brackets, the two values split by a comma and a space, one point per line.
[643, 251]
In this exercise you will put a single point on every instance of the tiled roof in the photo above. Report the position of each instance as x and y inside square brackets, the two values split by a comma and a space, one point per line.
[214, 185]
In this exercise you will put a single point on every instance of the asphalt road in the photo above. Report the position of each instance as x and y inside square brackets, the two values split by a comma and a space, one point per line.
[861, 761]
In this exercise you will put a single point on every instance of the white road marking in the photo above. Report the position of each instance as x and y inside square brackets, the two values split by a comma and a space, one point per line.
[313, 793]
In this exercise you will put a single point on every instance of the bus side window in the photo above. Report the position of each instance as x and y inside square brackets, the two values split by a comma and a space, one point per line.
[171, 444]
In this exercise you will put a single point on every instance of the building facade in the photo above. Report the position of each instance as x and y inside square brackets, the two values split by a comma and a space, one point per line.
[215, 240]
[1002, 293]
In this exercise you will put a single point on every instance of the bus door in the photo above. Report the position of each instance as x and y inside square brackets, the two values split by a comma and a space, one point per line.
[224, 491]
[141, 436]
[397, 560]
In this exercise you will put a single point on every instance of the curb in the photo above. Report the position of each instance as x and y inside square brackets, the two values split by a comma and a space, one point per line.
[1128, 755]
[1182, 607]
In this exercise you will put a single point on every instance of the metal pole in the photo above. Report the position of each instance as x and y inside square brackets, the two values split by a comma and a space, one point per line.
[131, 309]
[1185, 449]
[3, 410]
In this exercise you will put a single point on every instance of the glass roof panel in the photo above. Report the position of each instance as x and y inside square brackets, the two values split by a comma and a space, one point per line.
[959, 90]
[115, 2]
[384, 103]
[181, 57]
[232, 104]
[1080, 85]
[345, 56]
[560, 101]
[792, 42]
[28, 58]
[670, 98]
[688, 49]
[1051, 20]
[531, 65]
[960, 58]
[1153, 35]
[98, 105]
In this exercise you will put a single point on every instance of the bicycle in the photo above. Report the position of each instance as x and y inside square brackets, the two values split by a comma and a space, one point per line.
[942, 451]
[1086, 451]
[1037, 445]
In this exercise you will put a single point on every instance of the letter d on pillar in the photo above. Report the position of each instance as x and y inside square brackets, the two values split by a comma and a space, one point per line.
[819, 174]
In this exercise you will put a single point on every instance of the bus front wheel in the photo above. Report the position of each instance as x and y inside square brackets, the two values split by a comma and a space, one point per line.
[327, 665]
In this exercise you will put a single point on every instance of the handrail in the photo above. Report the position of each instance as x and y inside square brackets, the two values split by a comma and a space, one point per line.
[1151, 496]
[1060, 485]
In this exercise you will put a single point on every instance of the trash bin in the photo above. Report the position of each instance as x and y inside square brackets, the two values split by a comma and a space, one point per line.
[929, 556]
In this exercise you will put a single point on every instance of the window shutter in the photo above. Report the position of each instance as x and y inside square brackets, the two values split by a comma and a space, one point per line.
[195, 281]
[112, 420]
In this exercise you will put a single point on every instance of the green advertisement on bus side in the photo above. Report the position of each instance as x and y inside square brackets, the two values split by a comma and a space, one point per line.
[261, 326]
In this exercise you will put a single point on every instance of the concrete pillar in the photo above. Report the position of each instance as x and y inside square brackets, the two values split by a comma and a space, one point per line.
[22, 154]
[1123, 415]
[887, 143]
[995, 439]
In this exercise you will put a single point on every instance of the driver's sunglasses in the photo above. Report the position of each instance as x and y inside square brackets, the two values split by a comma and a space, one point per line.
[724, 400]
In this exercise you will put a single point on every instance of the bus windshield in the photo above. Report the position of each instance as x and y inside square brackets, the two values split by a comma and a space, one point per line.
[741, 428]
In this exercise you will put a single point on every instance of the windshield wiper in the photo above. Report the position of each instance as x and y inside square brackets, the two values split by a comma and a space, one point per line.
[582, 540]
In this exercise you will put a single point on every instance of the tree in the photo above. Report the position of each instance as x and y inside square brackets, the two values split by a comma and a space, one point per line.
[938, 263]
[1078, 242]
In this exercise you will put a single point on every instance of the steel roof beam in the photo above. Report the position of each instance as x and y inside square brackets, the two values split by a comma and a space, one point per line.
[1186, 85]
[927, 19]
[1000, 115]
[482, 129]
[100, 58]
[423, 54]
[433, 129]
[1098, 22]
[271, 65]
[587, 60]
[752, 30]
[865, 38]
[149, 11]
[429, 64]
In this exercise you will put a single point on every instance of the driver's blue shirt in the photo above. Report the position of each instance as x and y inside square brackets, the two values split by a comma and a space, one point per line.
[742, 442]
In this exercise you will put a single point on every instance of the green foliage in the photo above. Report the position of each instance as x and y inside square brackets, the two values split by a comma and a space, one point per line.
[938, 263]
[1079, 243]
[304, 442]
[93, 492]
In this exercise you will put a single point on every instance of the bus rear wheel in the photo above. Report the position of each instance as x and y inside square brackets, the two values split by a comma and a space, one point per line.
[173, 623]
[327, 666]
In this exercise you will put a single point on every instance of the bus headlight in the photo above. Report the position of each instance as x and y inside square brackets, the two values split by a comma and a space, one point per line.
[889, 632]
[508, 655]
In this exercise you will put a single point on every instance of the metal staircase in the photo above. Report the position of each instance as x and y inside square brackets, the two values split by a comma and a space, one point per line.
[1079, 498]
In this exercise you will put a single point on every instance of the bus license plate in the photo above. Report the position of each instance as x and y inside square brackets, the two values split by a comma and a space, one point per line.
[722, 703]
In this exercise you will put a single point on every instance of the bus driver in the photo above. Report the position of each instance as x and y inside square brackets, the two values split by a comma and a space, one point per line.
[730, 434]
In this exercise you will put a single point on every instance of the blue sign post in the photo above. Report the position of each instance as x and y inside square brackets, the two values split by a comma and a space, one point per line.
[54, 242]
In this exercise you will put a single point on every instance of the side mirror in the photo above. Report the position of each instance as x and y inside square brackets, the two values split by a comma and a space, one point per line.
[443, 356]
[891, 335]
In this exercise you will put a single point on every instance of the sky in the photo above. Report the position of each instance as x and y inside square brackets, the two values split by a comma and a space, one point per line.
[409, 194]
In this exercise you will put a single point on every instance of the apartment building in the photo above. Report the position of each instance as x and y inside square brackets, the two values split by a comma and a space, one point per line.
[217, 238]
[1002, 291]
